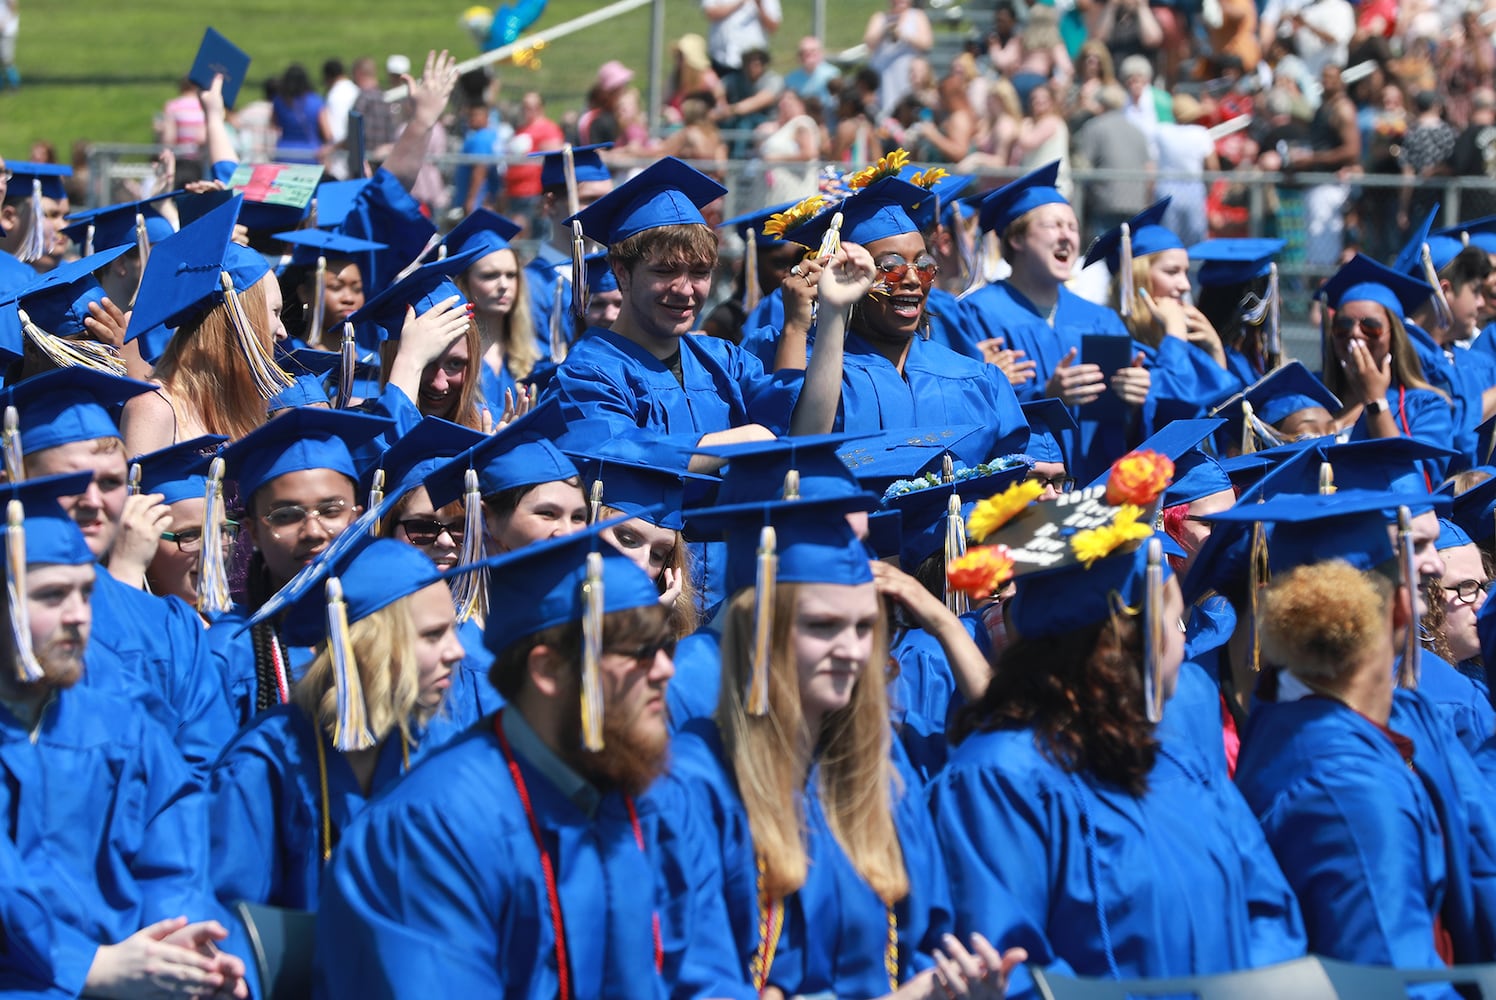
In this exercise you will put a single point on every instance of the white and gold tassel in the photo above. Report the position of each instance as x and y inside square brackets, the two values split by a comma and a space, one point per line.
[1442, 315]
[569, 171]
[791, 490]
[213, 596]
[595, 502]
[1408, 670]
[28, 669]
[34, 242]
[15, 467]
[88, 240]
[376, 495]
[579, 294]
[470, 590]
[135, 478]
[72, 353]
[765, 581]
[559, 340]
[351, 729]
[1326, 479]
[955, 548]
[750, 270]
[319, 305]
[268, 376]
[347, 367]
[592, 654]
[1153, 632]
[413, 266]
[831, 242]
[1125, 289]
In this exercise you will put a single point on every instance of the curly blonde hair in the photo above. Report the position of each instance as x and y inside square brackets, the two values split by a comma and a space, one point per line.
[1318, 621]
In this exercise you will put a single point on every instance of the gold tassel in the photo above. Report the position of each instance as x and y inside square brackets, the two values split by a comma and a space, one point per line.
[558, 331]
[750, 270]
[955, 548]
[592, 653]
[34, 243]
[268, 377]
[319, 307]
[1442, 316]
[351, 729]
[213, 596]
[1125, 289]
[1326, 479]
[1407, 671]
[831, 242]
[595, 502]
[376, 496]
[579, 294]
[72, 353]
[1153, 632]
[135, 477]
[947, 469]
[791, 489]
[28, 669]
[347, 367]
[15, 468]
[1258, 577]
[763, 621]
[470, 590]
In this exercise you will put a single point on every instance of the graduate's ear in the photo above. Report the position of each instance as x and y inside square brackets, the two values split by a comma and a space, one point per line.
[10, 217]
[1402, 610]
[621, 274]
[546, 671]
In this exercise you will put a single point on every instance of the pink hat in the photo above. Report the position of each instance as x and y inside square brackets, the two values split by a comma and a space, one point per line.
[613, 74]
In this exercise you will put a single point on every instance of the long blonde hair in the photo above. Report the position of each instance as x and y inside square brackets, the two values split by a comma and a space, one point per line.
[516, 330]
[1141, 324]
[206, 374]
[1407, 370]
[384, 645]
[771, 759]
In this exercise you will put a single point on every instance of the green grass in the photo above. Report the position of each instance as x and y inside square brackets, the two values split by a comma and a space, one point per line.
[110, 89]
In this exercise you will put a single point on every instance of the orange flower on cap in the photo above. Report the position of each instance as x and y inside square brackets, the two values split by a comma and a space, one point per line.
[981, 572]
[1000, 508]
[1138, 478]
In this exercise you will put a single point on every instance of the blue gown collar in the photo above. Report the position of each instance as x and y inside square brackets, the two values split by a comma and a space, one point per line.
[528, 744]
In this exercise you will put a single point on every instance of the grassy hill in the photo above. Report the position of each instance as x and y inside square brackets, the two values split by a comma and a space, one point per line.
[96, 71]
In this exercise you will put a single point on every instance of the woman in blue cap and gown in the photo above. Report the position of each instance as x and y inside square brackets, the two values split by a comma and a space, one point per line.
[385, 631]
[328, 278]
[179, 474]
[1379, 818]
[495, 284]
[298, 484]
[1071, 826]
[1369, 362]
[1240, 297]
[823, 852]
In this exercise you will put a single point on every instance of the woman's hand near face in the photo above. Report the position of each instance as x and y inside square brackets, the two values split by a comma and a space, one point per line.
[846, 276]
[1370, 378]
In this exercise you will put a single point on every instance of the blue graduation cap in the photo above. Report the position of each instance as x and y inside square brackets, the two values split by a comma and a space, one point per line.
[1234, 261]
[1451, 535]
[641, 477]
[117, 225]
[1381, 465]
[1175, 440]
[912, 458]
[51, 536]
[422, 289]
[24, 178]
[183, 279]
[1364, 280]
[299, 440]
[1147, 236]
[669, 192]
[1196, 474]
[1287, 390]
[482, 230]
[1050, 425]
[1017, 198]
[924, 513]
[519, 455]
[178, 471]
[878, 211]
[1475, 509]
[335, 200]
[309, 244]
[1476, 233]
[946, 193]
[806, 466]
[755, 220]
[67, 405]
[1443, 248]
[305, 390]
[58, 301]
[255, 216]
[384, 212]
[811, 538]
[416, 454]
[600, 276]
[589, 166]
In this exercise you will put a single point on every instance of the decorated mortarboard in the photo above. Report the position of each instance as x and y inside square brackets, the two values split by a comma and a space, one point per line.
[1475, 232]
[944, 190]
[600, 276]
[134, 224]
[1001, 208]
[482, 230]
[1050, 425]
[750, 226]
[669, 192]
[1424, 256]
[875, 212]
[1139, 236]
[1234, 260]
[37, 532]
[300, 440]
[276, 195]
[69, 405]
[217, 56]
[1475, 509]
[1364, 280]
[587, 164]
[33, 182]
[575, 578]
[178, 471]
[1451, 535]
[1078, 560]
[1273, 398]
[1196, 474]
[196, 270]
[638, 476]
[916, 456]
[422, 289]
[52, 309]
[934, 515]
[807, 467]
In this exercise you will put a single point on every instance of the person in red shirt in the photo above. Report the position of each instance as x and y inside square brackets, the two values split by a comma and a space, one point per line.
[536, 133]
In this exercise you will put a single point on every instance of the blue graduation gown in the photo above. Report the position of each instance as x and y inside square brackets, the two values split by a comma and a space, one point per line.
[162, 642]
[835, 934]
[762, 327]
[108, 822]
[1463, 703]
[949, 325]
[1419, 414]
[938, 388]
[697, 684]
[1193, 714]
[1440, 371]
[26, 966]
[1374, 849]
[1089, 878]
[607, 377]
[923, 697]
[540, 277]
[494, 384]
[266, 806]
[472, 695]
[439, 881]
[233, 657]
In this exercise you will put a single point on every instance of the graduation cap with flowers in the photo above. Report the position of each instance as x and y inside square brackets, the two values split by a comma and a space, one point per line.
[1090, 554]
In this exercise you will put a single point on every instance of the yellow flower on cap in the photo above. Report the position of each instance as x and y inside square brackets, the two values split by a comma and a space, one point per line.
[887, 166]
[782, 222]
[1000, 508]
[929, 178]
[1098, 543]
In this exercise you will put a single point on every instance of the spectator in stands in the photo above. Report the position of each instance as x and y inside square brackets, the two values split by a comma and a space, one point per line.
[1464, 60]
[184, 129]
[693, 74]
[1233, 32]
[813, 77]
[948, 138]
[1147, 105]
[1424, 156]
[1043, 137]
[1129, 30]
[599, 123]
[1004, 29]
[894, 38]
[790, 147]
[698, 138]
[1111, 141]
[1184, 147]
[380, 125]
[1094, 70]
[1334, 145]
[992, 146]
[301, 118]
[1475, 154]
[1321, 29]
[341, 94]
[536, 134]
[254, 125]
[738, 27]
[749, 96]
[1037, 55]
[479, 185]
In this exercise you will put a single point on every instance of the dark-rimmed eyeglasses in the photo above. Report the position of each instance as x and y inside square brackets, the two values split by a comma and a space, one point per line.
[190, 540]
[1060, 484]
[644, 652]
[1466, 590]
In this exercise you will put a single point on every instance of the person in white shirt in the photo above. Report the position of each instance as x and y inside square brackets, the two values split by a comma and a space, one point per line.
[342, 92]
[738, 26]
[1322, 29]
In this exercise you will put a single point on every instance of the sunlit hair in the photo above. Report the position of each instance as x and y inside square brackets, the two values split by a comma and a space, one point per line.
[465, 409]
[1041, 32]
[684, 616]
[384, 645]
[1435, 619]
[1006, 95]
[1141, 324]
[1319, 621]
[771, 757]
[688, 243]
[1465, 480]
[1096, 47]
[1407, 371]
[206, 374]
[100, 446]
[1082, 694]
[515, 330]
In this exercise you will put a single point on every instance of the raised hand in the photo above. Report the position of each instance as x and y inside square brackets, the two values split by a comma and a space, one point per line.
[1369, 377]
[140, 525]
[846, 276]
[426, 337]
[1073, 384]
[1131, 384]
[107, 322]
[428, 96]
